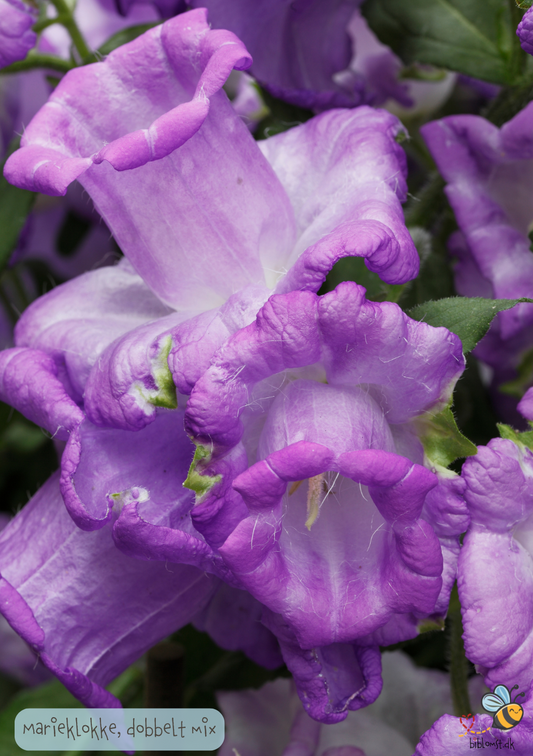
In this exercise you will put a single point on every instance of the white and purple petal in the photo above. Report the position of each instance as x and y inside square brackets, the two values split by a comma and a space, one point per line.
[84, 608]
[495, 564]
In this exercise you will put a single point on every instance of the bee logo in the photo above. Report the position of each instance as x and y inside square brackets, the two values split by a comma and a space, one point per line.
[507, 713]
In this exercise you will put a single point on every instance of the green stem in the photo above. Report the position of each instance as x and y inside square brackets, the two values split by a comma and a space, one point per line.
[424, 210]
[71, 26]
[44, 23]
[458, 660]
[38, 60]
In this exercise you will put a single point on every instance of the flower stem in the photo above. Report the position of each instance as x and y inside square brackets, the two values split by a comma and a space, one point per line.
[38, 60]
[458, 660]
[67, 20]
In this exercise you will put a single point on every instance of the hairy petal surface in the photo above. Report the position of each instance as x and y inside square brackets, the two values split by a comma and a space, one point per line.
[93, 129]
[410, 367]
[76, 321]
[103, 466]
[345, 167]
[495, 564]
[87, 610]
[331, 680]
[271, 722]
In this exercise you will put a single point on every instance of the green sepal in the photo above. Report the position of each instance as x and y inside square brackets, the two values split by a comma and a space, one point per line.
[197, 482]
[442, 440]
[165, 393]
[524, 4]
[166, 390]
[524, 438]
[467, 317]
[430, 625]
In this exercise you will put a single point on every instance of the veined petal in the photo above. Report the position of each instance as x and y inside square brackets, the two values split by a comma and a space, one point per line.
[76, 321]
[340, 169]
[30, 382]
[495, 563]
[93, 129]
[331, 680]
[87, 610]
[100, 464]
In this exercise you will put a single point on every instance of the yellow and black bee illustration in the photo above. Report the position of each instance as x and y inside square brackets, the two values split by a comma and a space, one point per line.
[508, 713]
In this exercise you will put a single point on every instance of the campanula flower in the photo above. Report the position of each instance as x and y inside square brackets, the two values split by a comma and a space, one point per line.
[213, 226]
[272, 722]
[85, 626]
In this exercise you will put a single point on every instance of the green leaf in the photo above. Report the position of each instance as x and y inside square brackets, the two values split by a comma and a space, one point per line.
[442, 440]
[473, 37]
[519, 437]
[519, 385]
[468, 317]
[124, 36]
[15, 205]
[49, 696]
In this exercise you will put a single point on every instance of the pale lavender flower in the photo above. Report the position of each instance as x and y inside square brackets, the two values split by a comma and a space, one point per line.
[495, 564]
[214, 224]
[86, 610]
[272, 722]
[16, 35]
[489, 184]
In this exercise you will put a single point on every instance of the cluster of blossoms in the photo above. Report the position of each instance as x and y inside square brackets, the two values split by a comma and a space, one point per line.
[239, 449]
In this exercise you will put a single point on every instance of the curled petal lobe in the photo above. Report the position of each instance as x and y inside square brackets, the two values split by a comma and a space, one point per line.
[333, 679]
[261, 554]
[166, 151]
[495, 563]
[77, 321]
[358, 342]
[100, 462]
[30, 382]
[56, 592]
[342, 171]
[132, 378]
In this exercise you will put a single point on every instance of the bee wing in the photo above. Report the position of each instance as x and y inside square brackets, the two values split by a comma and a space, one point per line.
[492, 702]
[503, 693]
